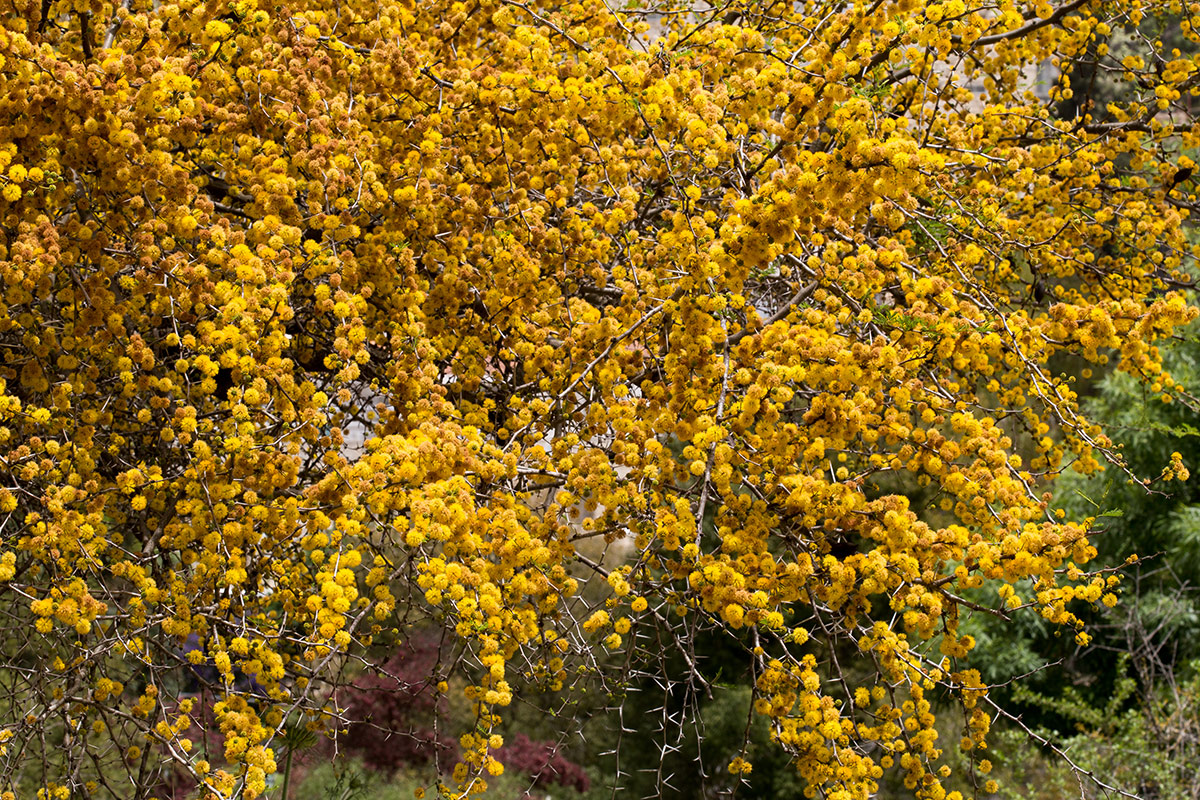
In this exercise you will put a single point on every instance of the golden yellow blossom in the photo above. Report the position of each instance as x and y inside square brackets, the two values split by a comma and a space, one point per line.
[331, 323]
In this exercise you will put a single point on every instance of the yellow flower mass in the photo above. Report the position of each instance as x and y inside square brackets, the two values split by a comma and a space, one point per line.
[559, 333]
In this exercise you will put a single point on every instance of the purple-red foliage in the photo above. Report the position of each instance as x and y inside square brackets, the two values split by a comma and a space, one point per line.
[543, 761]
[390, 710]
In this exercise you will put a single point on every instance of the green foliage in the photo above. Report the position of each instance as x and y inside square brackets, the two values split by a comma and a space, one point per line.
[1149, 750]
[343, 779]
[1162, 526]
[1124, 707]
[729, 732]
[1069, 703]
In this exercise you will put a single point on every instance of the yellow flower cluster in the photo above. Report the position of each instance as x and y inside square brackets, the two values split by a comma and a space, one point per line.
[327, 325]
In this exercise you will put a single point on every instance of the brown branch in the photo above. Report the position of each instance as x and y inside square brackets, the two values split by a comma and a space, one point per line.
[45, 17]
[799, 297]
[85, 31]
[1031, 26]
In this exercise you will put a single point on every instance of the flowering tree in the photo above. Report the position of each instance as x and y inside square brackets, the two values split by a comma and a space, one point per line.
[718, 290]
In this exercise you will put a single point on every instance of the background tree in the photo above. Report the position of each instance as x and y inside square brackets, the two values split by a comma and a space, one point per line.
[1125, 703]
[708, 298]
